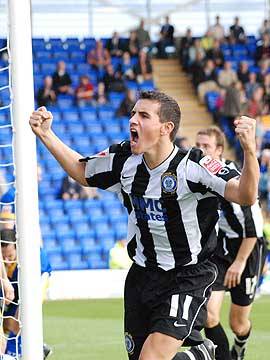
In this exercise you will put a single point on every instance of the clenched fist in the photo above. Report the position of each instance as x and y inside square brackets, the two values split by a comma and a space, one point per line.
[40, 121]
[245, 129]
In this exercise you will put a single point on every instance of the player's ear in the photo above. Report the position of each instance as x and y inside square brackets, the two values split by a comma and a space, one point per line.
[167, 128]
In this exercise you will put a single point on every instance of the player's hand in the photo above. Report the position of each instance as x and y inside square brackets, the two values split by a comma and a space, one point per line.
[245, 129]
[41, 121]
[8, 291]
[234, 273]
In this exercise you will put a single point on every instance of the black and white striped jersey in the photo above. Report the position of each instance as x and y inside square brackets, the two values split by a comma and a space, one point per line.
[172, 208]
[237, 221]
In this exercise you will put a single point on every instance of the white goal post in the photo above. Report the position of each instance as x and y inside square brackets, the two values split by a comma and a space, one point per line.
[24, 147]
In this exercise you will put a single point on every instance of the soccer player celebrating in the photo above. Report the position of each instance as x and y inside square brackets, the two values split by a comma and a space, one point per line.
[238, 256]
[170, 196]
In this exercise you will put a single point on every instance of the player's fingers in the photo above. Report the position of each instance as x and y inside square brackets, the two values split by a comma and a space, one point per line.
[42, 108]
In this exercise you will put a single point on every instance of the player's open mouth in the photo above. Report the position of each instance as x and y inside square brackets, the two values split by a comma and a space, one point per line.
[134, 136]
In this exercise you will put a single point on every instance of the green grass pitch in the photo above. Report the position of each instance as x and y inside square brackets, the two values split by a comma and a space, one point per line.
[92, 329]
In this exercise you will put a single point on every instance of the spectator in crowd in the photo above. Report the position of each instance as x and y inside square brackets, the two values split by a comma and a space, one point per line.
[100, 96]
[89, 193]
[251, 85]
[196, 69]
[112, 80]
[143, 36]
[182, 142]
[217, 30]
[143, 68]
[243, 72]
[266, 86]
[227, 76]
[265, 28]
[126, 67]
[263, 49]
[207, 80]
[46, 95]
[216, 54]
[70, 189]
[264, 182]
[194, 50]
[185, 44]
[115, 45]
[166, 38]
[84, 92]
[127, 104]
[263, 70]
[133, 44]
[237, 34]
[62, 80]
[207, 41]
[99, 57]
[255, 106]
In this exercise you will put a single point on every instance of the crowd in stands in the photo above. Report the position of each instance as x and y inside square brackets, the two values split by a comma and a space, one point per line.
[230, 73]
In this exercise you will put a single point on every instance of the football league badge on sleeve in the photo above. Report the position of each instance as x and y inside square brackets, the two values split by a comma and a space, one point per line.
[130, 345]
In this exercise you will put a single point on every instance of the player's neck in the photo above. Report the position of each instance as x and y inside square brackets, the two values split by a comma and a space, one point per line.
[158, 154]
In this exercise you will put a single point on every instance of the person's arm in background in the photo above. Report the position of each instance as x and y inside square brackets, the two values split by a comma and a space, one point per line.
[40, 122]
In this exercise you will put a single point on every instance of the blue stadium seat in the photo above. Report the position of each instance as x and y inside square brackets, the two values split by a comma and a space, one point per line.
[78, 56]
[89, 43]
[52, 246]
[38, 44]
[211, 100]
[75, 79]
[43, 55]
[107, 243]
[71, 115]
[75, 211]
[63, 231]
[91, 204]
[88, 114]
[112, 128]
[87, 243]
[47, 68]
[76, 262]
[83, 69]
[73, 44]
[70, 246]
[58, 219]
[57, 262]
[59, 128]
[65, 101]
[97, 262]
[106, 112]
[72, 204]
[75, 128]
[3, 78]
[54, 204]
[147, 85]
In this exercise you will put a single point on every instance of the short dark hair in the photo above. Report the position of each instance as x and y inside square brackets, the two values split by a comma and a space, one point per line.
[169, 110]
[216, 132]
[8, 236]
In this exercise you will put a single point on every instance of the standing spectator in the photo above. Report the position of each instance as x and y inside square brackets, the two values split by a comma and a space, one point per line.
[265, 28]
[166, 38]
[143, 68]
[186, 43]
[194, 50]
[251, 85]
[70, 189]
[133, 44]
[127, 104]
[243, 72]
[84, 92]
[100, 97]
[115, 45]
[264, 176]
[46, 95]
[62, 80]
[99, 57]
[112, 80]
[126, 67]
[255, 106]
[208, 80]
[207, 41]
[216, 54]
[263, 70]
[143, 36]
[263, 49]
[218, 30]
[237, 33]
[227, 76]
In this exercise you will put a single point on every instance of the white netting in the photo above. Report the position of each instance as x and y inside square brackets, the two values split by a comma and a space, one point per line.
[7, 205]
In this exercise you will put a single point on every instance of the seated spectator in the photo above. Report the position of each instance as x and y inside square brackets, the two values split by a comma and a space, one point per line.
[266, 86]
[62, 80]
[227, 76]
[46, 95]
[127, 104]
[143, 36]
[216, 54]
[143, 68]
[207, 80]
[89, 193]
[115, 45]
[70, 189]
[264, 162]
[256, 106]
[243, 72]
[265, 28]
[133, 44]
[166, 38]
[251, 85]
[99, 57]
[217, 30]
[185, 44]
[263, 70]
[207, 41]
[100, 97]
[263, 49]
[84, 92]
[112, 80]
[126, 67]
[237, 34]
[194, 50]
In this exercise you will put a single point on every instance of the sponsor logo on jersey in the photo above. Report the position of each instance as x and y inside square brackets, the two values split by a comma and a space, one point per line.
[169, 183]
[149, 209]
[130, 344]
[211, 165]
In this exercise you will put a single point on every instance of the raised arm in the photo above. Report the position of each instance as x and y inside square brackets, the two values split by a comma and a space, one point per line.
[40, 122]
[245, 190]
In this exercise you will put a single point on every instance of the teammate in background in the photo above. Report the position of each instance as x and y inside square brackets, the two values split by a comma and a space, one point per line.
[170, 195]
[9, 253]
[238, 257]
